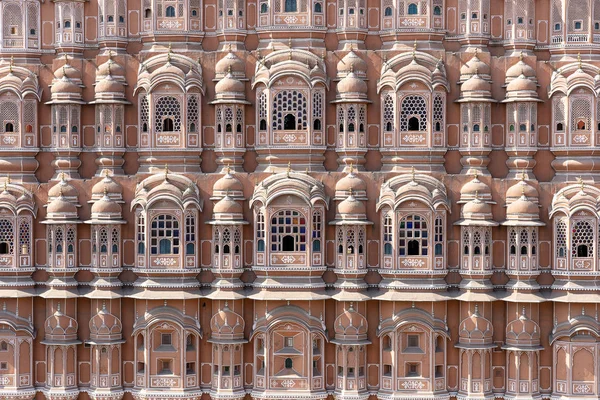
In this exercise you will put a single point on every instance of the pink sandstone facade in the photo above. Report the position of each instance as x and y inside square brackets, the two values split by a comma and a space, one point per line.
[294, 199]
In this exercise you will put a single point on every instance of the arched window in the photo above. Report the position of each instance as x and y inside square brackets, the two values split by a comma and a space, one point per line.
[291, 5]
[289, 122]
[317, 125]
[6, 237]
[413, 124]
[413, 114]
[264, 8]
[318, 8]
[413, 9]
[289, 364]
[170, 12]
[387, 235]
[288, 231]
[167, 125]
[164, 235]
[582, 240]
[9, 127]
[413, 236]
[148, 13]
[437, 10]
[67, 24]
[388, 12]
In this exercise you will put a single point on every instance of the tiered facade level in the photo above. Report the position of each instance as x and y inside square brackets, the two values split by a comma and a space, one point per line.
[299, 199]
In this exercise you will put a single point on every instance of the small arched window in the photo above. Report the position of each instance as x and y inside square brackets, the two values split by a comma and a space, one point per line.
[289, 122]
[413, 9]
[289, 364]
[167, 125]
[264, 8]
[388, 12]
[67, 24]
[170, 12]
[263, 125]
[318, 8]
[9, 127]
[437, 10]
[317, 125]
[147, 13]
[413, 124]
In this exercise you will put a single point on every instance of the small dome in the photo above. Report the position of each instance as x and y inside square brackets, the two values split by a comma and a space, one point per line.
[352, 62]
[520, 68]
[228, 184]
[65, 85]
[6, 196]
[351, 325]
[109, 85]
[169, 69]
[521, 84]
[227, 205]
[105, 325]
[112, 188]
[414, 67]
[110, 67]
[474, 66]
[106, 206]
[475, 208]
[351, 84]
[523, 332]
[475, 188]
[521, 188]
[523, 206]
[11, 80]
[67, 71]
[476, 84]
[350, 182]
[230, 63]
[62, 188]
[475, 330]
[166, 187]
[229, 85]
[580, 74]
[61, 206]
[227, 324]
[352, 207]
[60, 327]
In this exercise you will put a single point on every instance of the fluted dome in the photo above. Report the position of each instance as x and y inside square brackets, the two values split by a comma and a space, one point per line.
[475, 208]
[351, 182]
[230, 64]
[11, 79]
[520, 68]
[105, 326]
[6, 196]
[110, 67]
[352, 62]
[519, 189]
[475, 188]
[414, 68]
[67, 71]
[475, 329]
[109, 186]
[60, 327]
[106, 206]
[523, 332]
[63, 188]
[169, 69]
[109, 85]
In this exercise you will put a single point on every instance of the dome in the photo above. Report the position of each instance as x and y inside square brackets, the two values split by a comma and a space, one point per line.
[352, 62]
[167, 187]
[476, 208]
[475, 330]
[351, 84]
[60, 327]
[351, 182]
[105, 325]
[67, 71]
[106, 206]
[413, 188]
[169, 69]
[61, 206]
[110, 67]
[62, 188]
[351, 325]
[228, 184]
[520, 68]
[474, 66]
[227, 323]
[109, 85]
[352, 207]
[230, 63]
[579, 75]
[414, 68]
[521, 188]
[523, 332]
[227, 205]
[475, 188]
[65, 85]
[11, 79]
[523, 206]
[106, 185]
[521, 84]
[476, 84]
[229, 85]
[6, 196]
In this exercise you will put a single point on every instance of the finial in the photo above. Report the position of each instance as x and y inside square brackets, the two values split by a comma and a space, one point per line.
[415, 45]
[110, 54]
[413, 173]
[351, 68]
[106, 173]
[66, 59]
[5, 186]
[62, 176]
[350, 195]
[476, 308]
[166, 171]
[523, 190]
[228, 169]
[228, 69]
[290, 55]
[523, 311]
[323, 55]
[581, 183]
[290, 42]
[351, 46]
[169, 53]
[105, 191]
[8, 178]
[60, 192]
[476, 174]
[12, 63]
[351, 167]
[289, 168]
[477, 194]
[414, 55]
[521, 56]
[109, 72]
[229, 47]
[476, 70]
